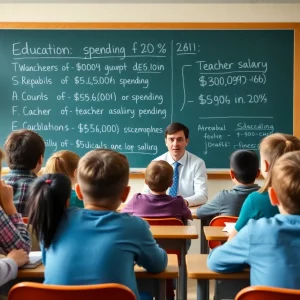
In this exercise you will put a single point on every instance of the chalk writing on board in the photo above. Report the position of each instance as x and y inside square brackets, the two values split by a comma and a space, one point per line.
[120, 89]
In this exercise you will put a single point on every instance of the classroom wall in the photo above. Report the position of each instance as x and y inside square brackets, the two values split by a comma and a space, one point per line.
[153, 13]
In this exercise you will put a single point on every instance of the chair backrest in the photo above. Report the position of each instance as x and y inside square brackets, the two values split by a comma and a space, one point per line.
[220, 221]
[267, 293]
[164, 221]
[25, 220]
[38, 291]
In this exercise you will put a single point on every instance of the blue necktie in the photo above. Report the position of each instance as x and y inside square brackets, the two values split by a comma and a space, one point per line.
[174, 187]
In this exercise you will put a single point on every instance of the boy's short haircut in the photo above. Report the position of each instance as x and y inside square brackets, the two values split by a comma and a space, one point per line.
[103, 174]
[245, 165]
[175, 127]
[159, 176]
[23, 149]
[286, 183]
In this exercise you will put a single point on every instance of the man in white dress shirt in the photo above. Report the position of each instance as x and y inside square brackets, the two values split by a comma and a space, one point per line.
[192, 177]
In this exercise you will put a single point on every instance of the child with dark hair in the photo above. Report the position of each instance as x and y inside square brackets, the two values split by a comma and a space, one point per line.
[244, 169]
[96, 244]
[24, 150]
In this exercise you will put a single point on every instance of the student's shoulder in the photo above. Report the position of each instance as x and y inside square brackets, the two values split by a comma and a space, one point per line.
[262, 226]
[258, 199]
[134, 223]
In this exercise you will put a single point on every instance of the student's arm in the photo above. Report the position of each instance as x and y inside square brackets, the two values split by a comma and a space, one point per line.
[14, 234]
[210, 208]
[9, 265]
[233, 256]
[151, 256]
[186, 212]
[246, 214]
[200, 187]
[8, 270]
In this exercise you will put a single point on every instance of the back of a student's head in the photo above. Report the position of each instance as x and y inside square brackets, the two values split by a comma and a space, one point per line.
[24, 149]
[103, 176]
[271, 149]
[47, 201]
[286, 182]
[159, 176]
[245, 166]
[64, 161]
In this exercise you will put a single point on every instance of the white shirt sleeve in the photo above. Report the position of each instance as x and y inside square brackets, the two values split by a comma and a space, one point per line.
[8, 270]
[200, 186]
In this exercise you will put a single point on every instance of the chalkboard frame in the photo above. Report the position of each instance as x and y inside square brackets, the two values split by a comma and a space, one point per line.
[188, 26]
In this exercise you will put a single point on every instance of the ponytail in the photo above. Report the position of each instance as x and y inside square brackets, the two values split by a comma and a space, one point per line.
[47, 202]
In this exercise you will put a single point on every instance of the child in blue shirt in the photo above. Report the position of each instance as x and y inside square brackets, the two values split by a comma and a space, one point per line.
[269, 246]
[95, 244]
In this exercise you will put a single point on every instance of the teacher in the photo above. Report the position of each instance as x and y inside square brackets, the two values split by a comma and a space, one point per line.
[189, 178]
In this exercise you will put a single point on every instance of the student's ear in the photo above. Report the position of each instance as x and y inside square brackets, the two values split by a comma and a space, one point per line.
[258, 173]
[78, 191]
[125, 194]
[170, 184]
[266, 166]
[232, 175]
[273, 197]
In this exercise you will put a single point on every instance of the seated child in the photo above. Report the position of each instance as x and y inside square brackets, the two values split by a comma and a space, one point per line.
[24, 151]
[157, 204]
[65, 162]
[244, 169]
[13, 231]
[96, 244]
[269, 246]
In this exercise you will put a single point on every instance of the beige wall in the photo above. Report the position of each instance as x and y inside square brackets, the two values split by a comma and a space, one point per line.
[153, 13]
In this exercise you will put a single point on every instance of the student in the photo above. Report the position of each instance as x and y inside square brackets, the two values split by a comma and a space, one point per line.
[9, 265]
[65, 162]
[157, 204]
[24, 151]
[257, 205]
[244, 169]
[96, 244]
[269, 246]
[13, 232]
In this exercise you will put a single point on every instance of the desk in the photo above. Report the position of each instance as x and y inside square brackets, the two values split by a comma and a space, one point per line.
[154, 283]
[175, 238]
[203, 242]
[215, 233]
[197, 269]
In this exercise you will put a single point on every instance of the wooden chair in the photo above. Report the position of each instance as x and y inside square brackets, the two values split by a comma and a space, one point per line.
[167, 222]
[219, 221]
[267, 293]
[38, 291]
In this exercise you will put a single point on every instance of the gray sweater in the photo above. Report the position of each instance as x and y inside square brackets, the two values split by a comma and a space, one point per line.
[227, 202]
[8, 270]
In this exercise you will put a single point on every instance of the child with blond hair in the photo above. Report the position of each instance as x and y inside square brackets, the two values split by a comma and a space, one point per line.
[65, 162]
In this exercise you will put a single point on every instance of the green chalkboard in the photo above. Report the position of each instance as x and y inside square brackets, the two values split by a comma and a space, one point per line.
[119, 89]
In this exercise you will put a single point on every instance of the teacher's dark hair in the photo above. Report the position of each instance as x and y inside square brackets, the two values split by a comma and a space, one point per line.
[175, 127]
[47, 203]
